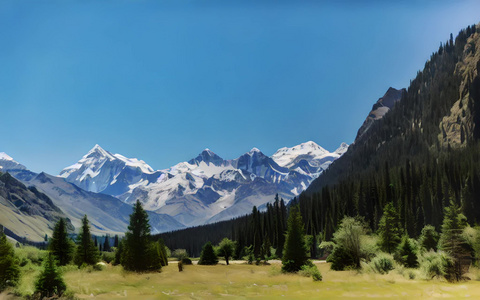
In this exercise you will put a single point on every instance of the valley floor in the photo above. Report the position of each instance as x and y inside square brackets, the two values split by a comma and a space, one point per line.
[251, 281]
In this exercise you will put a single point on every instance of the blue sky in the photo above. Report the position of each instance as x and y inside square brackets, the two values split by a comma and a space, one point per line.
[162, 80]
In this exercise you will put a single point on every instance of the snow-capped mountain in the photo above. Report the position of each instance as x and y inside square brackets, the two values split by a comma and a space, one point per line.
[207, 188]
[7, 163]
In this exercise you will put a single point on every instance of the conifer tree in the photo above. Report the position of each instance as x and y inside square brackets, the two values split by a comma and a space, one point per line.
[295, 250]
[115, 243]
[9, 265]
[106, 244]
[452, 241]
[60, 245]
[429, 238]
[50, 282]
[140, 253]
[208, 256]
[226, 248]
[86, 252]
[389, 229]
[119, 253]
[406, 253]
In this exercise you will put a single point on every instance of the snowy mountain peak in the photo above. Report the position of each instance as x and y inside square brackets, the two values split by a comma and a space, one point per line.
[254, 150]
[207, 156]
[99, 152]
[7, 163]
[5, 156]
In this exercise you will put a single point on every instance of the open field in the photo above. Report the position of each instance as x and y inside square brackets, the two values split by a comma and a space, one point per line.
[250, 281]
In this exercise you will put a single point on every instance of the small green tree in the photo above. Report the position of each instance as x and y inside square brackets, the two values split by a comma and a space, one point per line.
[119, 253]
[139, 252]
[106, 244]
[86, 252]
[208, 256]
[406, 253]
[9, 265]
[226, 248]
[60, 245]
[50, 282]
[389, 229]
[295, 250]
[428, 239]
[347, 250]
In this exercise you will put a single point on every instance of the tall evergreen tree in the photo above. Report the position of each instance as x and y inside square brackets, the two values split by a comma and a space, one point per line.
[208, 256]
[86, 252]
[295, 250]
[389, 229]
[60, 245]
[115, 243]
[140, 253]
[50, 282]
[9, 265]
[106, 244]
[452, 241]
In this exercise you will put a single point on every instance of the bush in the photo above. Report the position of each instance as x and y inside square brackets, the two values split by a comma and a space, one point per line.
[311, 271]
[108, 257]
[208, 256]
[186, 261]
[435, 264]
[382, 263]
[180, 254]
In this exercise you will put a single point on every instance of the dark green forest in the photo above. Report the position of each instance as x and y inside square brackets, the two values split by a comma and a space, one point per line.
[406, 158]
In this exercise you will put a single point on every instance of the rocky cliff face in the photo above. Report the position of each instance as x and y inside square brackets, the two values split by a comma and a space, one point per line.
[380, 108]
[458, 128]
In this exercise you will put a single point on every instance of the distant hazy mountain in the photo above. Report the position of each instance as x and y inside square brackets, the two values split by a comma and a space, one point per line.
[206, 188]
[26, 211]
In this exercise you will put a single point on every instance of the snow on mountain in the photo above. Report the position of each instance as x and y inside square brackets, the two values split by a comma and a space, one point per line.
[207, 188]
[7, 163]
[113, 174]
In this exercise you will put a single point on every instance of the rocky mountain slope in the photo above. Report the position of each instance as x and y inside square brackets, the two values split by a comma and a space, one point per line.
[207, 188]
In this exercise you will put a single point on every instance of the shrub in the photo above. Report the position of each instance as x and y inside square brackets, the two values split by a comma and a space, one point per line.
[311, 271]
[180, 254]
[435, 264]
[108, 257]
[382, 263]
[186, 261]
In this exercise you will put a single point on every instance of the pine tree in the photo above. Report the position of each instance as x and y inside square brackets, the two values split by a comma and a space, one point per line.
[9, 265]
[295, 250]
[406, 253]
[452, 241]
[86, 252]
[115, 244]
[60, 245]
[389, 229]
[140, 253]
[429, 238]
[106, 244]
[208, 256]
[119, 253]
[50, 282]
[226, 249]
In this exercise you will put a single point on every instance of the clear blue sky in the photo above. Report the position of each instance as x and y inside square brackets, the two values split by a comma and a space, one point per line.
[162, 80]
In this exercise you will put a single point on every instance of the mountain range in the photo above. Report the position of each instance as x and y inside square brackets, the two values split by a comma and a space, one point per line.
[206, 188]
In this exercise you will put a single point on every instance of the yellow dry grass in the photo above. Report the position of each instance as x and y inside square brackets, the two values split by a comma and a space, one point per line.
[240, 281]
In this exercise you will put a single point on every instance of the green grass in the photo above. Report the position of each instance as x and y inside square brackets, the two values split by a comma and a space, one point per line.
[241, 281]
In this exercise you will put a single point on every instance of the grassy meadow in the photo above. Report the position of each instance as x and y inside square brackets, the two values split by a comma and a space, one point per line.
[240, 280]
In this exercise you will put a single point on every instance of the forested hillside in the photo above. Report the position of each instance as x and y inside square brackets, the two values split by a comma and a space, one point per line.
[423, 153]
